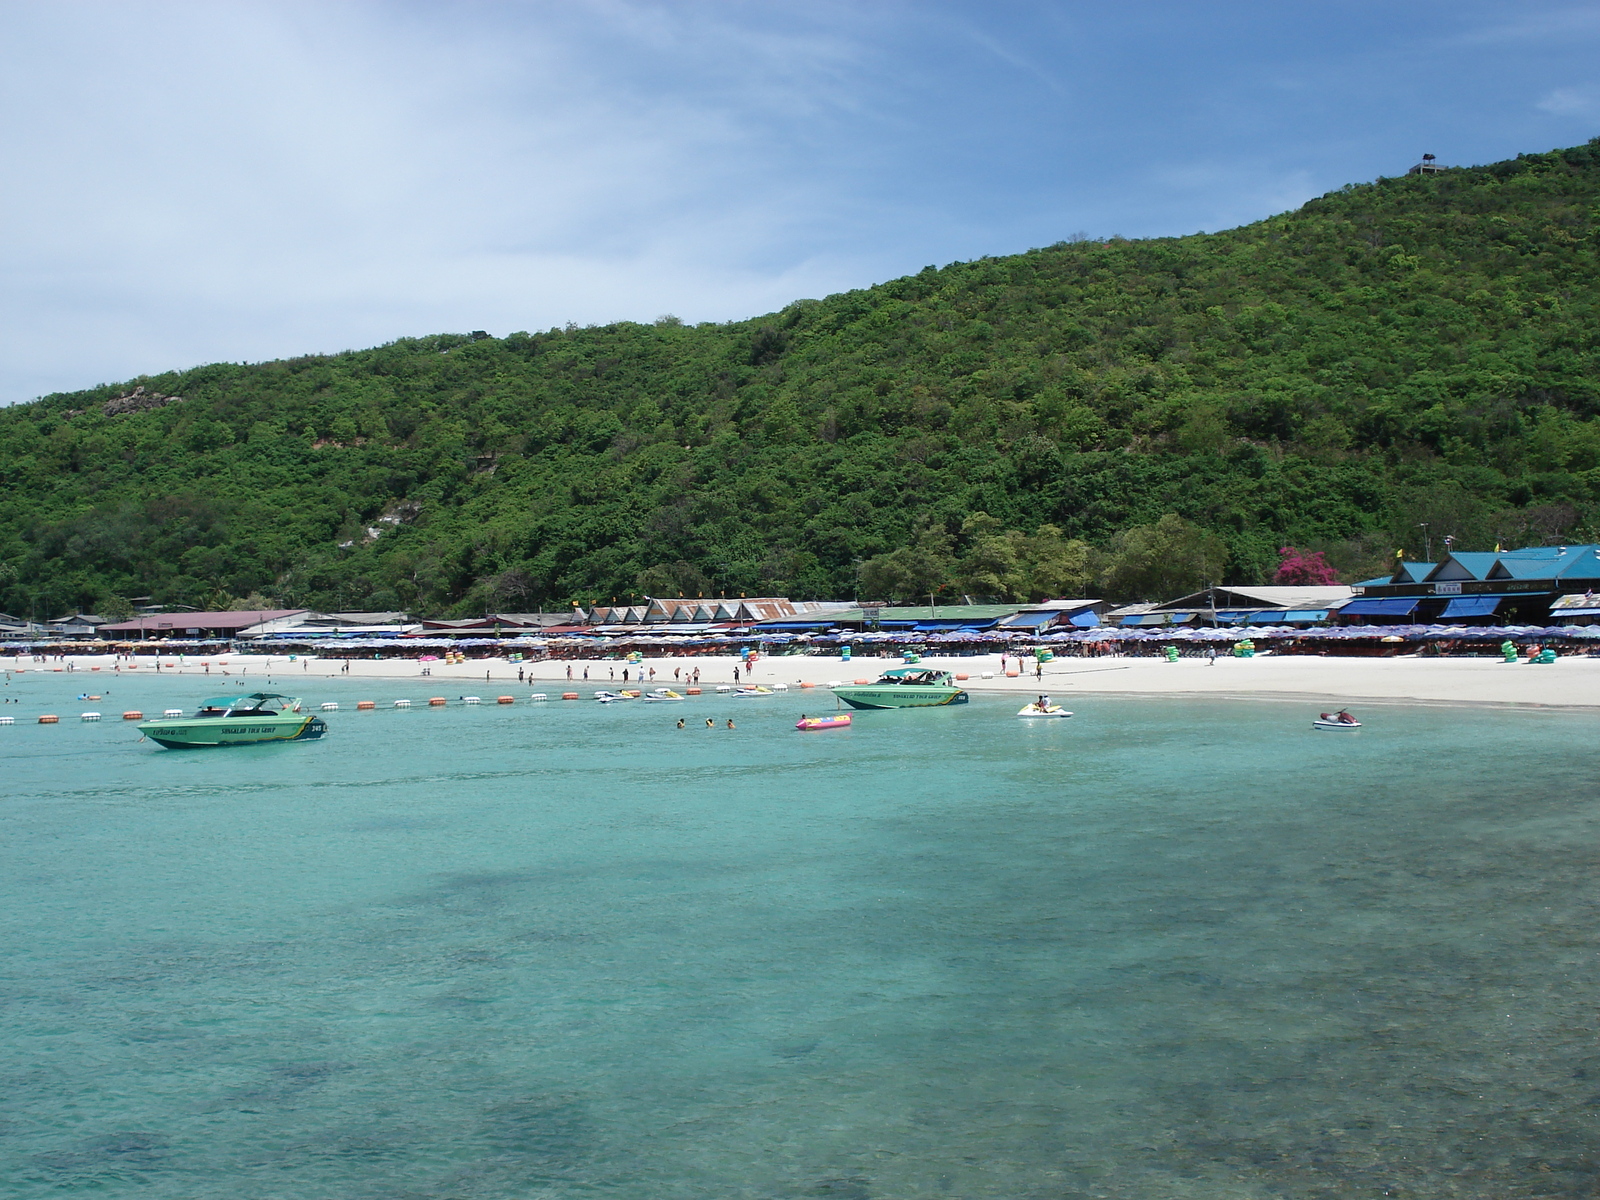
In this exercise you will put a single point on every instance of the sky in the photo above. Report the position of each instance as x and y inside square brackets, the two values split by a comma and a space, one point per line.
[194, 182]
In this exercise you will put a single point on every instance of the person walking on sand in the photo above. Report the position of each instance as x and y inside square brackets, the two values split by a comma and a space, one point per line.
[1211, 656]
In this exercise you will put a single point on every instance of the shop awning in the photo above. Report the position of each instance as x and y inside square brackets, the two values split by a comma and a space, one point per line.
[1031, 620]
[1389, 606]
[1470, 606]
[1157, 619]
[1086, 619]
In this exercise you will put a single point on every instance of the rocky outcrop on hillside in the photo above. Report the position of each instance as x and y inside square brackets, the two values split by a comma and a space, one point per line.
[138, 400]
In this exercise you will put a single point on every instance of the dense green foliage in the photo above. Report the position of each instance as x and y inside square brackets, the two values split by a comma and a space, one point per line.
[1421, 349]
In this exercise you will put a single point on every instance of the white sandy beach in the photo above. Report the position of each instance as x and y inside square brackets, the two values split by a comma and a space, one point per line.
[1571, 682]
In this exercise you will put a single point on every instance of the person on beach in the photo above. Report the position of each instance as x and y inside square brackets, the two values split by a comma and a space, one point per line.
[624, 674]
[736, 674]
[1211, 656]
[569, 671]
[675, 671]
[697, 674]
[586, 674]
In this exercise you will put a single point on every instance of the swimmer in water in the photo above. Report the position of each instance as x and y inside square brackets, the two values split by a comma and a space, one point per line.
[680, 722]
[730, 722]
[710, 724]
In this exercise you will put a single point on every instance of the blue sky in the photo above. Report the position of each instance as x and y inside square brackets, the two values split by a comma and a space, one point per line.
[186, 183]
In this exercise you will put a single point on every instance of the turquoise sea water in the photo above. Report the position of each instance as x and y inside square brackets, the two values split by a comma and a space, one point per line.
[1164, 949]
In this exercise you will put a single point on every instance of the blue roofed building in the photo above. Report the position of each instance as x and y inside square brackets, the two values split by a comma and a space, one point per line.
[1529, 586]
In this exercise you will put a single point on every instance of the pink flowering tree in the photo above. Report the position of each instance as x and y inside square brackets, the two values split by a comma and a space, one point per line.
[1304, 568]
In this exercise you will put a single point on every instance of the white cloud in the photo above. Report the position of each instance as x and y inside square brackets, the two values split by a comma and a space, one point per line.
[1582, 102]
[192, 182]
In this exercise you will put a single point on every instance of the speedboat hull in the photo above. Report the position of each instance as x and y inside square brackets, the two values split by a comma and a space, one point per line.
[1336, 724]
[1033, 710]
[899, 695]
[193, 733]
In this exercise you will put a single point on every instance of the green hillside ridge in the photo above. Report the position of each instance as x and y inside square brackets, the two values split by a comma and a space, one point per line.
[1420, 349]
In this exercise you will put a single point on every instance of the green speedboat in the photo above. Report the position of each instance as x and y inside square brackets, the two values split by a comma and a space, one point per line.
[237, 721]
[905, 687]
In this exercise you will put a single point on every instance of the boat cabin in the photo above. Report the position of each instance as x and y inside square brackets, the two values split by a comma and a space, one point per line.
[917, 675]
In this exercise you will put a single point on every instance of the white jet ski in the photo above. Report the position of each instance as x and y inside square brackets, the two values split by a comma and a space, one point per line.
[1048, 710]
[1338, 720]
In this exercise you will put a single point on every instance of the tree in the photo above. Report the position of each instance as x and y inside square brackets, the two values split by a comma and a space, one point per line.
[915, 570]
[990, 565]
[1306, 568]
[1161, 561]
[511, 586]
[1054, 565]
[672, 579]
[116, 608]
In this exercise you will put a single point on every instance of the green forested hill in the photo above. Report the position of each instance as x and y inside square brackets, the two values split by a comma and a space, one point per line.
[1421, 349]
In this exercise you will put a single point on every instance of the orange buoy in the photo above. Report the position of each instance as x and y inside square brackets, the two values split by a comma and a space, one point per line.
[49, 719]
[962, 676]
[435, 701]
[94, 668]
[1012, 674]
[364, 704]
[569, 695]
[505, 699]
[691, 691]
[806, 685]
[863, 681]
[133, 714]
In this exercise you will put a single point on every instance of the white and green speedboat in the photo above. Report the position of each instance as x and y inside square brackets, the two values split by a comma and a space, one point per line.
[237, 721]
[905, 687]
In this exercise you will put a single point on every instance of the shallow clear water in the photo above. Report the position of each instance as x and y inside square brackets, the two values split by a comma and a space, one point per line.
[1167, 948]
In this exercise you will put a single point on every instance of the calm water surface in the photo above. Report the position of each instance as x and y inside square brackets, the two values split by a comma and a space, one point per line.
[1165, 949]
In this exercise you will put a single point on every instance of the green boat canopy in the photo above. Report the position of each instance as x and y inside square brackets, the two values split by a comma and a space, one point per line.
[247, 701]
